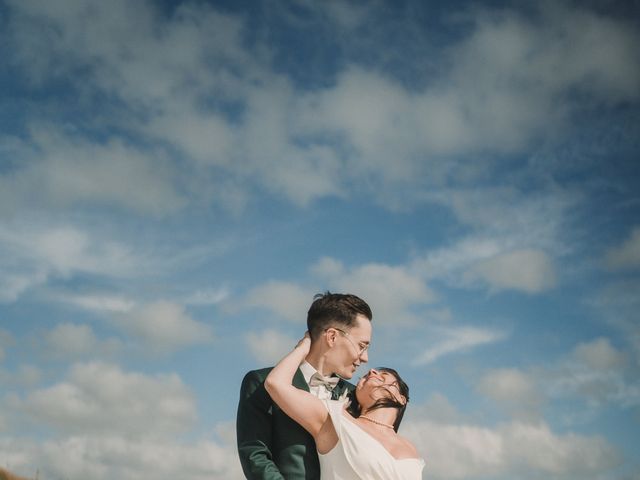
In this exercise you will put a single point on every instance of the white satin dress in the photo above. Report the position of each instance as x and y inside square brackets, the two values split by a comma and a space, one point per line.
[359, 456]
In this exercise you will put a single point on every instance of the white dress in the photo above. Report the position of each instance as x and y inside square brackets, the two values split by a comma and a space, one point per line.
[359, 456]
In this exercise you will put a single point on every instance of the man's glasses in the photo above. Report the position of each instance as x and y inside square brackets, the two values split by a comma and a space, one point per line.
[360, 348]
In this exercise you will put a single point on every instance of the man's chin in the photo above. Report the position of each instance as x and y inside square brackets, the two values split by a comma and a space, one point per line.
[348, 373]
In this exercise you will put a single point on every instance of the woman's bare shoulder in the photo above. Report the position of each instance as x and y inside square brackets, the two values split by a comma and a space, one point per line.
[407, 448]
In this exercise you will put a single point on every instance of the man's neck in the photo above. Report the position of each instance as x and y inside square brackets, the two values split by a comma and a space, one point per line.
[316, 360]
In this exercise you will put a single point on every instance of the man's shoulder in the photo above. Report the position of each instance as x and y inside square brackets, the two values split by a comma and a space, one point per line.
[258, 374]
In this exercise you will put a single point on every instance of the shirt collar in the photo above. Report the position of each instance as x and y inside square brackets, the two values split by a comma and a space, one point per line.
[307, 370]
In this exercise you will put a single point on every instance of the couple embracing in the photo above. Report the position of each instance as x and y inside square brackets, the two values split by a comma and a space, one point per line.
[302, 419]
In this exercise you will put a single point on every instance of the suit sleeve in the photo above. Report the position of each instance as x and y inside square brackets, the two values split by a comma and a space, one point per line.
[254, 430]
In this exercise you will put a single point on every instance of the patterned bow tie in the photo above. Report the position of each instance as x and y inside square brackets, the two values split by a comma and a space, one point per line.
[318, 379]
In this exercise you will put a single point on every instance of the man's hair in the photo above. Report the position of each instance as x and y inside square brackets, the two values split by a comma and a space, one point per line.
[335, 310]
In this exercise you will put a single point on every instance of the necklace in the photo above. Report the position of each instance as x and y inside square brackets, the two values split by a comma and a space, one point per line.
[376, 422]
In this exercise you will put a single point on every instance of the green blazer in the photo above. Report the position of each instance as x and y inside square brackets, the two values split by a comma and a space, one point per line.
[271, 445]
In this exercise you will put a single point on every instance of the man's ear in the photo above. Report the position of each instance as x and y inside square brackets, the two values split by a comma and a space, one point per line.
[330, 336]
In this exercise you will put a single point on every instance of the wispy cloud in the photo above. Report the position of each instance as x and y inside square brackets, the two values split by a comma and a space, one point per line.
[458, 340]
[98, 302]
[32, 253]
[163, 327]
[625, 256]
[529, 271]
[596, 373]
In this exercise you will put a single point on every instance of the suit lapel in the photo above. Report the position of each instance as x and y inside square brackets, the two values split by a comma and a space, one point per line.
[341, 387]
[299, 381]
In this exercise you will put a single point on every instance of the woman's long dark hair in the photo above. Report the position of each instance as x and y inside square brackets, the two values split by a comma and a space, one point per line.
[388, 402]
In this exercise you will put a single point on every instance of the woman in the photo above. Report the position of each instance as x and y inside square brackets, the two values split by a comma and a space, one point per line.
[360, 442]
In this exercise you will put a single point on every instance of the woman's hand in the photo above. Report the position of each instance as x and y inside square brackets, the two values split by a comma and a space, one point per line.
[304, 343]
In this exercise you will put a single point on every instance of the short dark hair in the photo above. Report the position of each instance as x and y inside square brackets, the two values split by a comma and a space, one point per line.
[335, 309]
[355, 409]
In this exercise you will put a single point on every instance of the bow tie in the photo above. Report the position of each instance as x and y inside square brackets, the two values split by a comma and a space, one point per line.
[318, 379]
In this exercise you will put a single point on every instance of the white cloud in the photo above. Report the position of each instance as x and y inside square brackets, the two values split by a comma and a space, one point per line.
[84, 456]
[513, 390]
[24, 376]
[28, 375]
[618, 304]
[69, 340]
[392, 292]
[163, 327]
[511, 233]
[530, 271]
[6, 339]
[207, 296]
[458, 449]
[457, 340]
[97, 302]
[180, 78]
[509, 215]
[596, 373]
[436, 408]
[269, 346]
[627, 255]
[599, 354]
[536, 447]
[502, 91]
[102, 398]
[63, 169]
[161, 70]
[447, 263]
[31, 253]
[287, 300]
[33, 250]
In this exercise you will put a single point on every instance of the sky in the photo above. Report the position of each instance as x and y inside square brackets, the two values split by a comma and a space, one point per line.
[179, 178]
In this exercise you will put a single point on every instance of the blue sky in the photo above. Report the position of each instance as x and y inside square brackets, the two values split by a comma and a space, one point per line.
[178, 179]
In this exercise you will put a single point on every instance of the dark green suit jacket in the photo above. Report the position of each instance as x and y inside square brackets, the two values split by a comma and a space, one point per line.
[271, 445]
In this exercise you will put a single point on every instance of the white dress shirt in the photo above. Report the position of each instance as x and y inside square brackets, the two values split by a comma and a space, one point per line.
[319, 391]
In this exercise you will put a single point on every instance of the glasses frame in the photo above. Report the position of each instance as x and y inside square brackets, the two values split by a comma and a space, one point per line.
[359, 349]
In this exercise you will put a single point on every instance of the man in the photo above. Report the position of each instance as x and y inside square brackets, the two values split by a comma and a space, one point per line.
[271, 445]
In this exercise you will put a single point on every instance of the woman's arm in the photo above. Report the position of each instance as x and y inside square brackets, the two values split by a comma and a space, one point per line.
[300, 405]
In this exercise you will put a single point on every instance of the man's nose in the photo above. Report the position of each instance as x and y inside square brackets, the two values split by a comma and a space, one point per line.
[364, 357]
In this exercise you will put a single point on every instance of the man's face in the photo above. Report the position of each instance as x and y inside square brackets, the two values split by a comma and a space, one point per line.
[350, 347]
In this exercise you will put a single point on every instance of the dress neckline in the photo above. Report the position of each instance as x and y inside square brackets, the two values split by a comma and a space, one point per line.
[348, 417]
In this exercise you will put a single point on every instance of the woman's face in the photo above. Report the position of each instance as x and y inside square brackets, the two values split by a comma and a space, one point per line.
[376, 384]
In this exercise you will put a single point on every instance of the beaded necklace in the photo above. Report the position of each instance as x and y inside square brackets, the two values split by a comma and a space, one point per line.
[376, 422]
